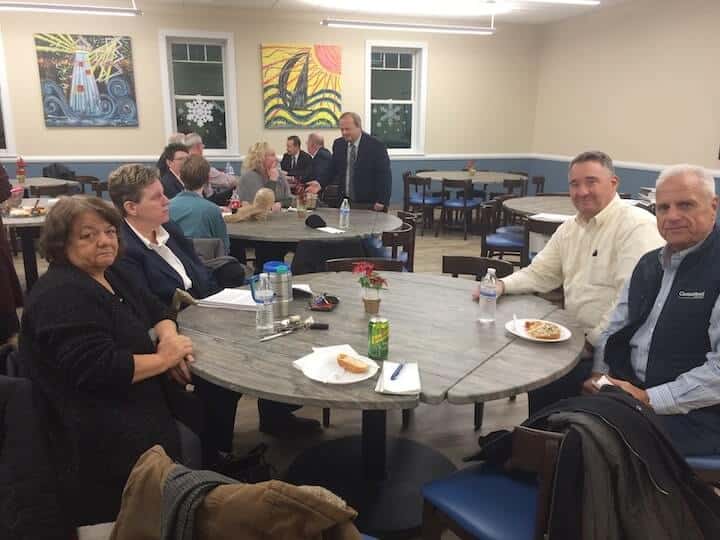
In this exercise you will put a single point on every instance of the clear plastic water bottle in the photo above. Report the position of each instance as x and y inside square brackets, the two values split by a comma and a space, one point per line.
[264, 320]
[229, 169]
[344, 221]
[488, 297]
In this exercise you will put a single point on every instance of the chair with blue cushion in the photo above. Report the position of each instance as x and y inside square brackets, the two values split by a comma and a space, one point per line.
[463, 205]
[706, 467]
[536, 226]
[417, 196]
[485, 502]
[401, 245]
[495, 243]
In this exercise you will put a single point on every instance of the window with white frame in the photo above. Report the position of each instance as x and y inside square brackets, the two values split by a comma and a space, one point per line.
[395, 109]
[201, 87]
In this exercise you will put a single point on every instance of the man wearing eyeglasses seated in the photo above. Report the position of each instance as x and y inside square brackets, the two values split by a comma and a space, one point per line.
[174, 155]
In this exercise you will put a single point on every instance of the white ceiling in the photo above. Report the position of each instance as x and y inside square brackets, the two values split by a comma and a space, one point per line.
[526, 12]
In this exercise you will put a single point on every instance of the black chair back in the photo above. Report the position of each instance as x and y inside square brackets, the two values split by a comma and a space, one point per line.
[50, 191]
[474, 266]
[346, 265]
[545, 228]
[539, 183]
[401, 238]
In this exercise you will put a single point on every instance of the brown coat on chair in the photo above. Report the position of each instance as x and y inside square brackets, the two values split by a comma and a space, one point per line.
[271, 509]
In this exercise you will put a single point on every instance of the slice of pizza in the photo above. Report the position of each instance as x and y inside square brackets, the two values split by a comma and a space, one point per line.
[542, 330]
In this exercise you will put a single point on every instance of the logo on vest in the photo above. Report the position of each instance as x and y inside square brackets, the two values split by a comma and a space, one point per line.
[692, 295]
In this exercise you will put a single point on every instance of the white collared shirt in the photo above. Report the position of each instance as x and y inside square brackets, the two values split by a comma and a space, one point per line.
[592, 260]
[165, 252]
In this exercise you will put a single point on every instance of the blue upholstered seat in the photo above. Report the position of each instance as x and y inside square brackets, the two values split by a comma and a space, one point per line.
[486, 502]
[416, 199]
[506, 242]
[460, 203]
[511, 229]
[710, 463]
[366, 537]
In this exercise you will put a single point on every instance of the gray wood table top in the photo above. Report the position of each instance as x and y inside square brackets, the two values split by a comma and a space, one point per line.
[288, 227]
[41, 181]
[480, 177]
[521, 366]
[432, 322]
[528, 206]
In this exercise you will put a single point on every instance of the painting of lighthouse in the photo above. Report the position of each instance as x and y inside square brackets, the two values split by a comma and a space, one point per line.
[86, 80]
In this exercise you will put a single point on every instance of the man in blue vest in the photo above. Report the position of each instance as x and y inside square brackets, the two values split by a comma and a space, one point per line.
[662, 344]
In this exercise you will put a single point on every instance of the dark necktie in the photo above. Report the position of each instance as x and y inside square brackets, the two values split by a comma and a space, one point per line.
[350, 170]
[294, 163]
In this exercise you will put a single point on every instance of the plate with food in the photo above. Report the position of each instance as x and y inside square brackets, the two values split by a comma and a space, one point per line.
[337, 365]
[538, 330]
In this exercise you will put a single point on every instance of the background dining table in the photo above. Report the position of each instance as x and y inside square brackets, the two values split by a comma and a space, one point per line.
[432, 322]
[528, 206]
[478, 177]
[288, 226]
[27, 229]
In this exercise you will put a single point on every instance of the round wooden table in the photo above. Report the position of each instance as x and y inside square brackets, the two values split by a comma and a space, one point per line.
[41, 181]
[432, 322]
[480, 177]
[289, 227]
[528, 206]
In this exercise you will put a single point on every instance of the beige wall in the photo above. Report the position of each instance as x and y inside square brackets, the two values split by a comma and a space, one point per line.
[481, 91]
[640, 80]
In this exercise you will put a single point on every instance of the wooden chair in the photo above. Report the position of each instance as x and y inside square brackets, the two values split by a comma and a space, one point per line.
[417, 195]
[346, 265]
[99, 188]
[510, 185]
[545, 228]
[85, 180]
[463, 205]
[539, 183]
[456, 265]
[331, 196]
[50, 191]
[494, 243]
[401, 238]
[484, 501]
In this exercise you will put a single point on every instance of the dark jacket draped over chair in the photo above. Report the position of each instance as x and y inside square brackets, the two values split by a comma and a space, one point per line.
[77, 346]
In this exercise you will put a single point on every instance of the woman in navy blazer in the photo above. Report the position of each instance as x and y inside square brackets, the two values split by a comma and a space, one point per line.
[162, 260]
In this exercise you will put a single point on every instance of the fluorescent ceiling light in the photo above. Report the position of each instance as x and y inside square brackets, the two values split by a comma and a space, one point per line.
[565, 2]
[75, 9]
[409, 27]
[427, 8]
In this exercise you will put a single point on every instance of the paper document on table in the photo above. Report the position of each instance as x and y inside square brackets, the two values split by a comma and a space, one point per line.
[552, 218]
[407, 382]
[240, 299]
[302, 287]
[330, 230]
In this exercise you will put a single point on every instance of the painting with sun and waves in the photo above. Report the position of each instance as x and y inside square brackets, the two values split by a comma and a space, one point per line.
[301, 85]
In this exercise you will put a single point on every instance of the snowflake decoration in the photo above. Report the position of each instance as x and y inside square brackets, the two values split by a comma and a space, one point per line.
[391, 115]
[199, 111]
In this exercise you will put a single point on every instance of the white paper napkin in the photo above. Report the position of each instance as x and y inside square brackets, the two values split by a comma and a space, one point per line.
[330, 230]
[407, 382]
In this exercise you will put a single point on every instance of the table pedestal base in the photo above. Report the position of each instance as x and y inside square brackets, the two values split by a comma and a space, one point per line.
[389, 507]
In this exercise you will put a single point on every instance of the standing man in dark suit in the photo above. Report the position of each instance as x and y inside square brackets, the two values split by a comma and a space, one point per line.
[321, 163]
[361, 166]
[174, 155]
[295, 162]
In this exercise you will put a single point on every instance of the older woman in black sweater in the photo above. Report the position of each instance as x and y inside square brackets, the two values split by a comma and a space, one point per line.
[85, 344]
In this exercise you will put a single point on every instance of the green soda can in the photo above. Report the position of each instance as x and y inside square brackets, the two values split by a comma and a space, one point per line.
[378, 338]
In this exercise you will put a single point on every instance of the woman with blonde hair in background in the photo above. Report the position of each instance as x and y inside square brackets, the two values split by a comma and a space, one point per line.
[261, 170]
